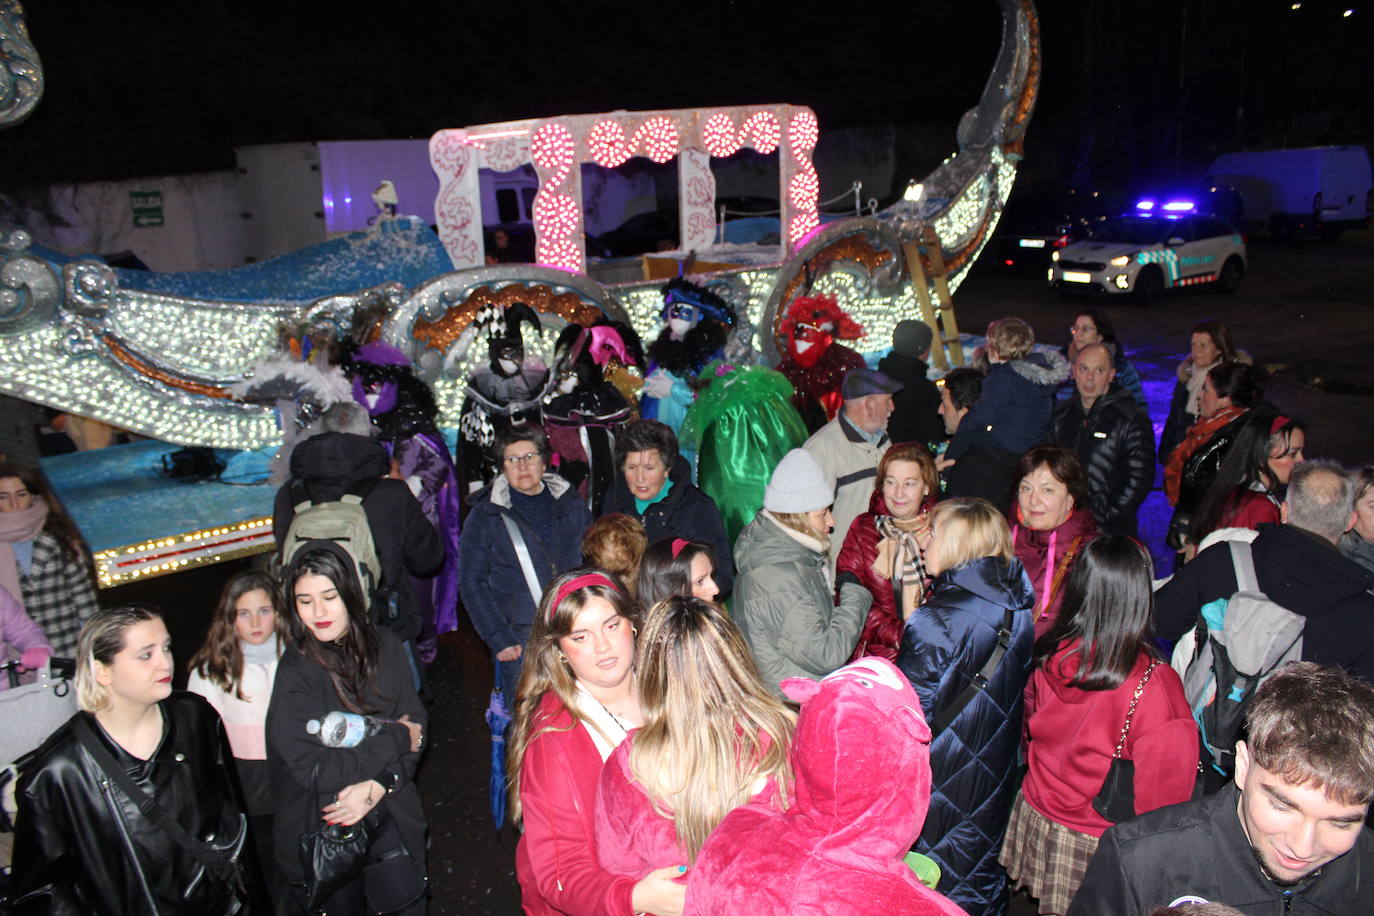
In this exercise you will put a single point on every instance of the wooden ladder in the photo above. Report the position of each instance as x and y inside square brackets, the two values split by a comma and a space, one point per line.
[925, 261]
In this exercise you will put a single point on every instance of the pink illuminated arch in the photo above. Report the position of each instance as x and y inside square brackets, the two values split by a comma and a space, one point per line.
[556, 146]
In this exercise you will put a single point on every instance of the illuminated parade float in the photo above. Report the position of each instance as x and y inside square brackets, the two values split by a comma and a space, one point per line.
[158, 353]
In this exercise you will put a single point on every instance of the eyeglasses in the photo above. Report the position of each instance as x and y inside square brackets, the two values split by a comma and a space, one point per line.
[512, 460]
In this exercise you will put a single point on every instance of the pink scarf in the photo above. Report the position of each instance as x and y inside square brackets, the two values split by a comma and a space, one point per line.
[17, 527]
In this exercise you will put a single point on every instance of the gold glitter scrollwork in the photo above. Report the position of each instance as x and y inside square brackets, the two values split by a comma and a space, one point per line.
[444, 331]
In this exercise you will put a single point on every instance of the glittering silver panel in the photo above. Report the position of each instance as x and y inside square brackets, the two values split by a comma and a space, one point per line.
[21, 73]
[159, 364]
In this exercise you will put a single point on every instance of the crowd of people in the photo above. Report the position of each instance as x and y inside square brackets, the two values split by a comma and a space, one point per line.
[966, 619]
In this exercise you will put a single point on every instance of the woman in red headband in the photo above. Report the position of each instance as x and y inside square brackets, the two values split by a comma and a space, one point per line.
[576, 701]
[676, 566]
[1251, 480]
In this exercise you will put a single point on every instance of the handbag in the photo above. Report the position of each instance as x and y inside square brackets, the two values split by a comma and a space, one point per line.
[1115, 801]
[332, 855]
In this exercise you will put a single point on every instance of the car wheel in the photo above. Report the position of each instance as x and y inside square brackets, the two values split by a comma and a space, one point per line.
[1228, 281]
[1148, 285]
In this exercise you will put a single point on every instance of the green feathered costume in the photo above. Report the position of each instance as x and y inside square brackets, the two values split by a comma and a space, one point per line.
[740, 425]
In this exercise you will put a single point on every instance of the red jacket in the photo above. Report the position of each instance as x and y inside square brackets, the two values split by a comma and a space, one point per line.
[1250, 509]
[882, 632]
[1071, 734]
[555, 860]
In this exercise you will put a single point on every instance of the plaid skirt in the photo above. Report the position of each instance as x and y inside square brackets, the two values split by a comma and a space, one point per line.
[1046, 858]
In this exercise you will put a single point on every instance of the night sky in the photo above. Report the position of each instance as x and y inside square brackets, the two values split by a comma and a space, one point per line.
[149, 88]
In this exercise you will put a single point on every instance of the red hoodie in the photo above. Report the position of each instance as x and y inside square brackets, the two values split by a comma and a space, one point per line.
[1071, 734]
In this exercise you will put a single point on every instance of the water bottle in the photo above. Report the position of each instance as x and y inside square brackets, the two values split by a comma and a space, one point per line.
[346, 729]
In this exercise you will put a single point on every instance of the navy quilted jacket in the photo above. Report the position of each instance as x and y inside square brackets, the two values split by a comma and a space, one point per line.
[973, 761]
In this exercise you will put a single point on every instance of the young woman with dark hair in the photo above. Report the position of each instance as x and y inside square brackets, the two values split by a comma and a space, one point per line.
[1094, 664]
[337, 660]
[234, 670]
[1053, 523]
[676, 566]
[577, 700]
[83, 841]
[1251, 479]
[44, 561]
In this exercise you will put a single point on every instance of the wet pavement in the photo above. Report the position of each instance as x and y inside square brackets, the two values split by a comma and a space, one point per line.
[1304, 310]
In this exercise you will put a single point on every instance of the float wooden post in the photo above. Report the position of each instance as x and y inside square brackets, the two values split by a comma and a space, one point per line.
[925, 261]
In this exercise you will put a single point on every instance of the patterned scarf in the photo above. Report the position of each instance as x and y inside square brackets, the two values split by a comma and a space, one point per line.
[899, 559]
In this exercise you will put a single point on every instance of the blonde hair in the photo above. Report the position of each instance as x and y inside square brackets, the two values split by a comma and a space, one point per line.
[800, 523]
[1012, 338]
[970, 529]
[543, 671]
[101, 639]
[712, 730]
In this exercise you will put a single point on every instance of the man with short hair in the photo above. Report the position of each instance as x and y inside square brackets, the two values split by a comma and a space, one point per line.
[916, 408]
[1298, 567]
[986, 470]
[1286, 837]
[849, 446]
[1112, 437]
[407, 544]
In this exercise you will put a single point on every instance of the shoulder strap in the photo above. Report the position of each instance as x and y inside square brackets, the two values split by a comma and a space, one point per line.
[1130, 711]
[522, 553]
[300, 496]
[1062, 570]
[1244, 562]
[979, 682]
[147, 805]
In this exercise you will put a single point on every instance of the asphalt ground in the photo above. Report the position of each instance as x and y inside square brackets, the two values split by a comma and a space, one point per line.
[1303, 311]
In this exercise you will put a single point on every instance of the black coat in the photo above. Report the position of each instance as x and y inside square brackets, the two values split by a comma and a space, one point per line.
[303, 691]
[973, 760]
[81, 846]
[407, 544]
[686, 512]
[1116, 446]
[916, 408]
[1199, 849]
[983, 472]
[1300, 572]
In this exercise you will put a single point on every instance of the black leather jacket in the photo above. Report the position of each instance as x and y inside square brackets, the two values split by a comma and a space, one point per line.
[81, 846]
[1115, 443]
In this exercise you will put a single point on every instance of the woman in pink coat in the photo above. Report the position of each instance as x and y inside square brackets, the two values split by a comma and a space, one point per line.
[20, 633]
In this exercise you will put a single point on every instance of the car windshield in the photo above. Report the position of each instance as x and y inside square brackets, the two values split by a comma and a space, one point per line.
[1132, 231]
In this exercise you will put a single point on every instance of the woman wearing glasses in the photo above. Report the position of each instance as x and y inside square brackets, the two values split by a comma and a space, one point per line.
[522, 531]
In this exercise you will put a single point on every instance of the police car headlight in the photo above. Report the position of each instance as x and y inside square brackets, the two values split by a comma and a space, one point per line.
[1122, 281]
[1054, 256]
[1120, 260]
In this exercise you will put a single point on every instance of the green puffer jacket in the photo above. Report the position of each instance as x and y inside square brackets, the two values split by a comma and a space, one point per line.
[784, 606]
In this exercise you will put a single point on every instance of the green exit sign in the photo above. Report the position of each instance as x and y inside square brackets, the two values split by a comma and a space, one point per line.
[147, 207]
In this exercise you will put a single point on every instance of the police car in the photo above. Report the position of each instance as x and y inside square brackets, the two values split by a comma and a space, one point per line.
[1160, 246]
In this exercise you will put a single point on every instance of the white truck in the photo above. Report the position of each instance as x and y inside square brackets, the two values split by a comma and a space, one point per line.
[1316, 189]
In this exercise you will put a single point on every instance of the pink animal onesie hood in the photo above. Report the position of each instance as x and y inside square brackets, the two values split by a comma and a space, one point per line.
[861, 758]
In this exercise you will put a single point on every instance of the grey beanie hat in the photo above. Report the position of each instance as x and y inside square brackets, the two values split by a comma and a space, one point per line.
[798, 484]
[911, 338]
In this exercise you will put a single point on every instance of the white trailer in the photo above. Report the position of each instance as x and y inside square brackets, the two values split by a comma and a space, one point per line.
[1317, 189]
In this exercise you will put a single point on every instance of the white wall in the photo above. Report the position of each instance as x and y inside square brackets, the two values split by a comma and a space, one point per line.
[201, 227]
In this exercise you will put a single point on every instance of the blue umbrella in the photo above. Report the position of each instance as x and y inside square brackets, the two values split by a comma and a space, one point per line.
[498, 718]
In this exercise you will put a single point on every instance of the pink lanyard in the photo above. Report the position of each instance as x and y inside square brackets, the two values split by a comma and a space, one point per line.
[1049, 568]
